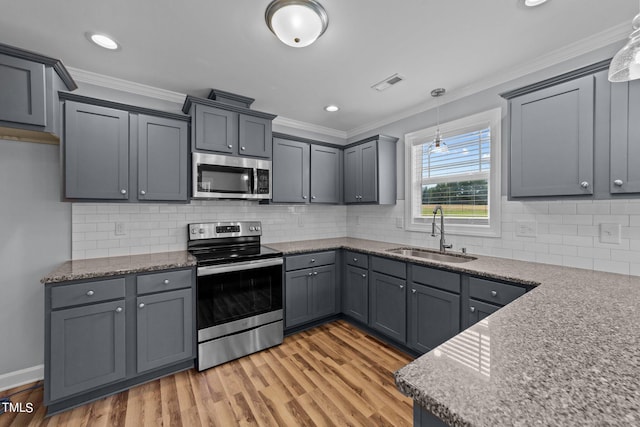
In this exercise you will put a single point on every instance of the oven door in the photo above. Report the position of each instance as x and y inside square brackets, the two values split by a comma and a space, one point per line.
[238, 296]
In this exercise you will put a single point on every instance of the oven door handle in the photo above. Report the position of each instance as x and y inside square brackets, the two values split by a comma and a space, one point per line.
[240, 266]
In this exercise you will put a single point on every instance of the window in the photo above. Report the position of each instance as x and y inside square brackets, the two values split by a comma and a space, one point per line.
[463, 179]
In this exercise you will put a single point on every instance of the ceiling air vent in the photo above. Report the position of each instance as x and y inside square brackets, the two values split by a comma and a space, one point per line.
[388, 82]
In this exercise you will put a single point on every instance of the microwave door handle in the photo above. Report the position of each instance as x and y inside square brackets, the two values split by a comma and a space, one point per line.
[255, 180]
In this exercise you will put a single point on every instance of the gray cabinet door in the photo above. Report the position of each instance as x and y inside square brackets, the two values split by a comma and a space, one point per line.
[352, 174]
[297, 302]
[87, 348]
[215, 129]
[478, 310]
[625, 137]
[356, 294]
[434, 317]
[22, 91]
[326, 173]
[96, 147]
[254, 136]
[369, 172]
[388, 306]
[162, 159]
[164, 329]
[323, 291]
[552, 140]
[290, 171]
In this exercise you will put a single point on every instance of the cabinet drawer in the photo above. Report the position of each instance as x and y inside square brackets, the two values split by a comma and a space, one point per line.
[444, 280]
[389, 267]
[357, 259]
[163, 281]
[494, 292]
[297, 262]
[87, 293]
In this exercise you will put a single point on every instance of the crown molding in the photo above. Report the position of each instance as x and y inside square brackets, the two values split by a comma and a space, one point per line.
[573, 50]
[109, 82]
[310, 127]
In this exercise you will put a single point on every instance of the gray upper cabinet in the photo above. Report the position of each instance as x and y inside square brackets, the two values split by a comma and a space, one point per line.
[388, 306]
[222, 125]
[434, 317]
[370, 171]
[96, 148]
[552, 140]
[290, 171]
[625, 138]
[29, 85]
[162, 158]
[120, 152]
[304, 172]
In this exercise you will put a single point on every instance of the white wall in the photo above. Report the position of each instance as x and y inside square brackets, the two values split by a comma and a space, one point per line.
[35, 238]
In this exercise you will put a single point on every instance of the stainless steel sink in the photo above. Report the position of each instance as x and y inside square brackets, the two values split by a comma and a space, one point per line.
[435, 256]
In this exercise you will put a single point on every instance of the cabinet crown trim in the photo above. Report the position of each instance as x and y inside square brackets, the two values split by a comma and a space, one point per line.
[59, 68]
[305, 140]
[220, 95]
[373, 138]
[562, 78]
[190, 100]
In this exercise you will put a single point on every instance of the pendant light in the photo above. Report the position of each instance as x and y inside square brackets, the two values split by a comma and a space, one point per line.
[438, 145]
[297, 23]
[625, 65]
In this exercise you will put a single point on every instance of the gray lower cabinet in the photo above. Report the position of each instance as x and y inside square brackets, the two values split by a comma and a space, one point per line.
[552, 140]
[290, 171]
[483, 297]
[388, 306]
[355, 299]
[625, 134]
[113, 154]
[478, 310]
[370, 171]
[87, 348]
[310, 292]
[434, 317]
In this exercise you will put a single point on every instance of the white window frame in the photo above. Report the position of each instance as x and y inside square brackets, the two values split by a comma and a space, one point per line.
[493, 118]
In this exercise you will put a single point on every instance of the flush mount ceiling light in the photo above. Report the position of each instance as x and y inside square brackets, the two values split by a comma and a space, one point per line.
[297, 23]
[532, 3]
[103, 40]
[625, 65]
[331, 108]
[438, 145]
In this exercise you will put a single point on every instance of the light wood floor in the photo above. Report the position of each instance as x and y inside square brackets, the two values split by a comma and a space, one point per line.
[334, 374]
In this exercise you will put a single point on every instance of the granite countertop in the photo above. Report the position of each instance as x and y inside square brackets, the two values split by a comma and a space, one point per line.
[114, 266]
[565, 354]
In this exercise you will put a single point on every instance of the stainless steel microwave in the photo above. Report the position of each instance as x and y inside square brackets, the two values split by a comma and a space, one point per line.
[225, 177]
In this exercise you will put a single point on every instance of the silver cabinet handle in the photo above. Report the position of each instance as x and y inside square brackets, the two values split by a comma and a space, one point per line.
[355, 260]
[494, 293]
[472, 309]
[242, 148]
[142, 192]
[119, 310]
[123, 191]
[166, 281]
[313, 260]
[413, 291]
[315, 273]
[313, 197]
[90, 293]
[401, 286]
[584, 184]
[229, 146]
[141, 305]
[304, 197]
[364, 275]
[310, 274]
[618, 182]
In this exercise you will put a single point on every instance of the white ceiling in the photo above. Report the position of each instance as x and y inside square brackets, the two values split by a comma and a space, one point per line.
[194, 45]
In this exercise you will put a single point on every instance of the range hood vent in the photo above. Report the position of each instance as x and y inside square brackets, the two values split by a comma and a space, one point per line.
[388, 82]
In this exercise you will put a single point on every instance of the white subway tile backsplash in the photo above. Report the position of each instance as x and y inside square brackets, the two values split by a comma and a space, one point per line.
[611, 266]
[594, 208]
[558, 208]
[577, 219]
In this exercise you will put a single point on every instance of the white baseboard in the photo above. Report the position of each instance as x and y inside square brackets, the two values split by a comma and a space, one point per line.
[23, 376]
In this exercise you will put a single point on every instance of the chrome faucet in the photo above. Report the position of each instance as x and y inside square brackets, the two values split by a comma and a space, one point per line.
[443, 246]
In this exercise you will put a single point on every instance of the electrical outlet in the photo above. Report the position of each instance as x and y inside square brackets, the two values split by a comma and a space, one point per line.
[526, 228]
[121, 229]
[610, 233]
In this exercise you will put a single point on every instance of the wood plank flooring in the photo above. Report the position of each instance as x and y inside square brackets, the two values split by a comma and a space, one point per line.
[334, 374]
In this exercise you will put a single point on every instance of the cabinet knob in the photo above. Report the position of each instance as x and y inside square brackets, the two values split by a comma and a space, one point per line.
[494, 293]
[229, 146]
[618, 182]
[123, 191]
[90, 293]
[584, 184]
[355, 260]
[142, 192]
[141, 305]
[313, 260]
[310, 274]
[401, 286]
[119, 310]
[313, 197]
[472, 309]
[315, 273]
[364, 275]
[304, 197]
[165, 281]
[413, 291]
[242, 148]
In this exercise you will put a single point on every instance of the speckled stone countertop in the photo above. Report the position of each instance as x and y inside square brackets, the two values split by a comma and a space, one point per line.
[565, 354]
[113, 266]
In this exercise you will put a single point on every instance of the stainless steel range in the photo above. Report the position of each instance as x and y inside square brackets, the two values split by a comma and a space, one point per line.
[239, 290]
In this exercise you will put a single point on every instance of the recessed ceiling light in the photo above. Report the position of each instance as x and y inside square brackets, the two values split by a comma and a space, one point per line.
[103, 41]
[331, 108]
[532, 3]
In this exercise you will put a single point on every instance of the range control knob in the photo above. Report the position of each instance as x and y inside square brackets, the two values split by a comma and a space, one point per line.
[201, 231]
[252, 228]
[257, 228]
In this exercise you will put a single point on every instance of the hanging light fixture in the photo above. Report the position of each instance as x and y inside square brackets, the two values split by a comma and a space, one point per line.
[625, 65]
[438, 145]
[297, 23]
